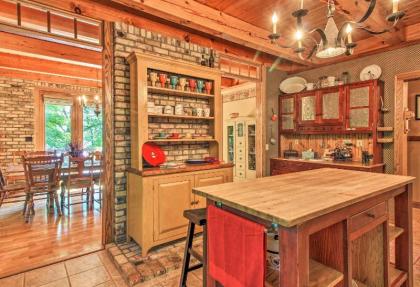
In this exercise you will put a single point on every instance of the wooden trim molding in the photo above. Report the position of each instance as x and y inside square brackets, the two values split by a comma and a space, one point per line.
[108, 133]
[400, 106]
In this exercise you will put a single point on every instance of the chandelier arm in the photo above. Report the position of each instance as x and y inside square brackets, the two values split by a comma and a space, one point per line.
[373, 32]
[322, 34]
[368, 12]
[312, 52]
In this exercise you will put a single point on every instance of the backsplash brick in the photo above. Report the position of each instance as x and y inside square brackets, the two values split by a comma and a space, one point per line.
[129, 38]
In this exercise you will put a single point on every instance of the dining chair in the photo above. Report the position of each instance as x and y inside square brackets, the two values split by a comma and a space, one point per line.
[42, 177]
[76, 177]
[10, 190]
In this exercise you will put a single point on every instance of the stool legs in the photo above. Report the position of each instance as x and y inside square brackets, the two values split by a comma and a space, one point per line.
[187, 255]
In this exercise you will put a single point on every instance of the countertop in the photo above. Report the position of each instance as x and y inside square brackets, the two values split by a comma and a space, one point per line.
[333, 163]
[188, 168]
[295, 198]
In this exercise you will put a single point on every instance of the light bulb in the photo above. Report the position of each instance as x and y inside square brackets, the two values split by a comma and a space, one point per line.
[395, 6]
[96, 98]
[274, 19]
[299, 35]
[349, 28]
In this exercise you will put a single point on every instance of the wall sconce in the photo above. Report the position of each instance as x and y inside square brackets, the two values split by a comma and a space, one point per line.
[97, 106]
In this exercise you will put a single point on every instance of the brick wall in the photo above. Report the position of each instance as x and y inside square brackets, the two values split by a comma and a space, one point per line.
[129, 38]
[17, 113]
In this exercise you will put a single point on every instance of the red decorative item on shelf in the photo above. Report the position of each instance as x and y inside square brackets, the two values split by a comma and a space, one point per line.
[153, 154]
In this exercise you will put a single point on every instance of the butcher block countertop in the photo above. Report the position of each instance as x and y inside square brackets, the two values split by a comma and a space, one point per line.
[295, 198]
[351, 164]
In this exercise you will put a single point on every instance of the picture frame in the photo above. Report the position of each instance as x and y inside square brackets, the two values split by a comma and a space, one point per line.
[417, 107]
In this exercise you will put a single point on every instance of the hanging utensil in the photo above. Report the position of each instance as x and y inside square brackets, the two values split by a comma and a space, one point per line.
[273, 141]
[274, 116]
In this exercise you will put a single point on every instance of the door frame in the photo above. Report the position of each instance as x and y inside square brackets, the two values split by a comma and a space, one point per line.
[260, 99]
[400, 137]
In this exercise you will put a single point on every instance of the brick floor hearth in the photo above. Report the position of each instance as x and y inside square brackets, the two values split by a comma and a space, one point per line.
[158, 263]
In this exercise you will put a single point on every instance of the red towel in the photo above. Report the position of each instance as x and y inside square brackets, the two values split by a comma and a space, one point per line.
[236, 249]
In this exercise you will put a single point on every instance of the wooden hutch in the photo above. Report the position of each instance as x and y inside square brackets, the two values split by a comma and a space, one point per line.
[352, 111]
[157, 197]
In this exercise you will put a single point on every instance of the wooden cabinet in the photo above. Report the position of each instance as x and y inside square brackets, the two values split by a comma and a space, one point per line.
[208, 179]
[171, 196]
[337, 110]
[156, 203]
[287, 114]
[283, 166]
[361, 106]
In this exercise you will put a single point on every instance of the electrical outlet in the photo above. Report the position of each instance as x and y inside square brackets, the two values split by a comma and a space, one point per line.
[267, 147]
[359, 143]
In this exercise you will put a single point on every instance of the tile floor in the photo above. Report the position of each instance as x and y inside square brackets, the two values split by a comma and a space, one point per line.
[97, 270]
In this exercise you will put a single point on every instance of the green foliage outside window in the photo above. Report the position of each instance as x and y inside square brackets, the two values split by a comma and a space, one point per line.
[57, 127]
[92, 129]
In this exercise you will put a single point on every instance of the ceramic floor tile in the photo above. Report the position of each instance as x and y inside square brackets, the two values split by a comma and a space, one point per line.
[12, 281]
[59, 283]
[107, 284]
[83, 263]
[45, 275]
[119, 282]
[90, 278]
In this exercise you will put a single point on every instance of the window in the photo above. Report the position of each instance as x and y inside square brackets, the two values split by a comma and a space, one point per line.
[92, 129]
[57, 126]
[63, 119]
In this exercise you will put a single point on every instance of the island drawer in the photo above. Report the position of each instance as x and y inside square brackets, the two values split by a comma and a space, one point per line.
[365, 218]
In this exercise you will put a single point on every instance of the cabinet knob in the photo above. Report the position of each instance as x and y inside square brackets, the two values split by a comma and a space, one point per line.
[371, 215]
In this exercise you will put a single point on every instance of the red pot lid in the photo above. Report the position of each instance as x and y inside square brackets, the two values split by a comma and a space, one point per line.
[153, 154]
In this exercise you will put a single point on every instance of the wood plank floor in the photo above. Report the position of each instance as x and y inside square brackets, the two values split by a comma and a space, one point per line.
[48, 239]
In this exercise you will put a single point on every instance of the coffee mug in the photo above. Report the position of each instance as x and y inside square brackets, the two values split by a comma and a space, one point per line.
[179, 110]
[199, 112]
[153, 78]
[182, 83]
[207, 112]
[169, 110]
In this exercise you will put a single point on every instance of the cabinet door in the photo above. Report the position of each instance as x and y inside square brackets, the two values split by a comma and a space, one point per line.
[231, 143]
[332, 106]
[207, 179]
[359, 111]
[307, 109]
[171, 196]
[287, 113]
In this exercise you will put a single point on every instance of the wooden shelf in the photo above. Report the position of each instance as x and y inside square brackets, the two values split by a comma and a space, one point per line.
[174, 92]
[396, 276]
[385, 129]
[180, 117]
[394, 232]
[385, 140]
[182, 140]
[319, 276]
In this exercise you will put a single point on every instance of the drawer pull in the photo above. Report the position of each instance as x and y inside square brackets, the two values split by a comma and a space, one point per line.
[371, 215]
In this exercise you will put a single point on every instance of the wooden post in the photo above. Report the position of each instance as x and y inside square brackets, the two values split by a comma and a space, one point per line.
[404, 243]
[108, 135]
[294, 257]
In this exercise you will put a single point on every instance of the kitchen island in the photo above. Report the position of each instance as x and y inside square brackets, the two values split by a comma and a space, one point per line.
[334, 225]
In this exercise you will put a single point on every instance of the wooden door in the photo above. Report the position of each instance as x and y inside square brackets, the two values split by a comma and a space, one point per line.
[359, 115]
[171, 196]
[207, 179]
[287, 108]
[332, 106]
[307, 108]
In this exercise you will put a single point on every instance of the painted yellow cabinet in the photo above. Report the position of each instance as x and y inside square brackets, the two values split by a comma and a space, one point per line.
[156, 203]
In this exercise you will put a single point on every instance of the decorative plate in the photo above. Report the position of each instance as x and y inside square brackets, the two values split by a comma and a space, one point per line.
[371, 72]
[153, 154]
[293, 85]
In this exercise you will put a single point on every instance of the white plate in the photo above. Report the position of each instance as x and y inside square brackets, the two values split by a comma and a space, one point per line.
[293, 85]
[371, 72]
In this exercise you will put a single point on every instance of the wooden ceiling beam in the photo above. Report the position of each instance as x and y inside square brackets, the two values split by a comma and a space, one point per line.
[47, 67]
[25, 46]
[376, 22]
[213, 22]
[36, 76]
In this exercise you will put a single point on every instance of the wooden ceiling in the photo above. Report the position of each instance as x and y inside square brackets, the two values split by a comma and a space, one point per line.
[248, 22]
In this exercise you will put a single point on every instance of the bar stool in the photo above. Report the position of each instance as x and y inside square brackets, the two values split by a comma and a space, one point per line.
[195, 217]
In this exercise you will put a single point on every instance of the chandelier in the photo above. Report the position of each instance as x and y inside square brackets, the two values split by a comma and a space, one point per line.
[333, 41]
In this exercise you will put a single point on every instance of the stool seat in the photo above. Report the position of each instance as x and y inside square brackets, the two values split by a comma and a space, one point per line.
[197, 216]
